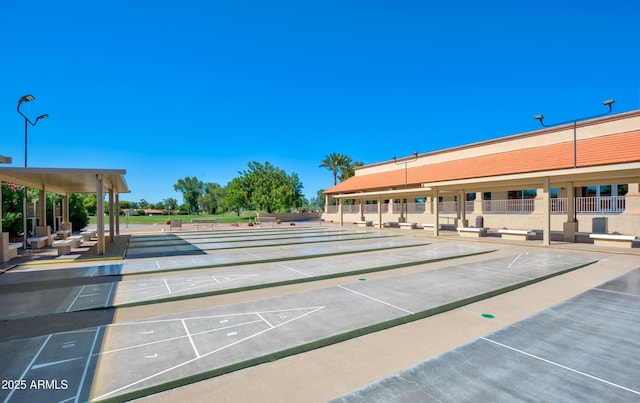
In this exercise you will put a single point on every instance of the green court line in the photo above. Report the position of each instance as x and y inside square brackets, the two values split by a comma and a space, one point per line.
[332, 339]
[293, 281]
[272, 260]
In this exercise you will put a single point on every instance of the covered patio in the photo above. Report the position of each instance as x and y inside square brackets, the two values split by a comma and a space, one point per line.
[66, 181]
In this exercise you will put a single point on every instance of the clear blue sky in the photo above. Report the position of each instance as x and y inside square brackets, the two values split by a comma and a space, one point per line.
[168, 89]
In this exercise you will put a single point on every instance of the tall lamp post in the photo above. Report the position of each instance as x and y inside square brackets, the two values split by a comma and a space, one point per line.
[27, 122]
[415, 158]
[609, 103]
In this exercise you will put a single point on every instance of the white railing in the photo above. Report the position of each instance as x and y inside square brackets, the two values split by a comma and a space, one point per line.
[448, 207]
[510, 206]
[601, 204]
[559, 205]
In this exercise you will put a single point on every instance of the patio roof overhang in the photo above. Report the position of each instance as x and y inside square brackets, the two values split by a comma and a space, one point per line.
[616, 173]
[66, 180]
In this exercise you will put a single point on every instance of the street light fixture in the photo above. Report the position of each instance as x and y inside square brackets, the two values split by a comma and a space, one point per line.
[608, 102]
[27, 121]
[415, 158]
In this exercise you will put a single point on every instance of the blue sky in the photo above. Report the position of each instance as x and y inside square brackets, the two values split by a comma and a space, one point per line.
[168, 89]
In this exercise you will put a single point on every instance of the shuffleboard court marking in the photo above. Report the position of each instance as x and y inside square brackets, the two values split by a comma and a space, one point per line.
[197, 284]
[294, 270]
[617, 292]
[76, 298]
[514, 260]
[86, 366]
[375, 299]
[186, 329]
[106, 302]
[167, 285]
[561, 366]
[48, 364]
[35, 357]
[310, 310]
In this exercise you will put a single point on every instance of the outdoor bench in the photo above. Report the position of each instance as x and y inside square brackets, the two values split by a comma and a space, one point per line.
[472, 232]
[408, 225]
[87, 235]
[364, 223]
[63, 233]
[63, 246]
[38, 242]
[77, 240]
[519, 234]
[265, 220]
[613, 240]
[12, 250]
[198, 221]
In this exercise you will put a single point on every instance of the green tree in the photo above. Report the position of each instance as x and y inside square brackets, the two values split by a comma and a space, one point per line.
[192, 189]
[265, 188]
[77, 211]
[12, 208]
[349, 169]
[212, 200]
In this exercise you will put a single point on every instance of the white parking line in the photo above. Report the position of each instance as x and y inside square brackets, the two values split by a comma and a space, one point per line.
[561, 366]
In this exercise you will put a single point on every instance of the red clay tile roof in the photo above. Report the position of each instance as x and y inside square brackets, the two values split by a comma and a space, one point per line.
[605, 150]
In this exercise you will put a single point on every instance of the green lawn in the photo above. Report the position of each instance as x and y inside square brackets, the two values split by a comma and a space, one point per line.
[229, 218]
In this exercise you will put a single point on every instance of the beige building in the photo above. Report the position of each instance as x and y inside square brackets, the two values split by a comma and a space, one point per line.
[542, 180]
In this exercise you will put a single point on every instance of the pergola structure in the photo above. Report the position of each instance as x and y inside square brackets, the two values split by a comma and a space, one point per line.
[65, 181]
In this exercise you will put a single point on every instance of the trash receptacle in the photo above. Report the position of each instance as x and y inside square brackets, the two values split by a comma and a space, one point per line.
[479, 221]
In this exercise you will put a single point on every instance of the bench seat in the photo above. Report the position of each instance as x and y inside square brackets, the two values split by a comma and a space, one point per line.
[408, 225]
[520, 234]
[63, 233]
[614, 240]
[38, 242]
[63, 246]
[198, 221]
[472, 232]
[88, 235]
[77, 240]
[364, 223]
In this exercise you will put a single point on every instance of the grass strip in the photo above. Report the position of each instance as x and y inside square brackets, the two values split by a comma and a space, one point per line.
[294, 281]
[333, 339]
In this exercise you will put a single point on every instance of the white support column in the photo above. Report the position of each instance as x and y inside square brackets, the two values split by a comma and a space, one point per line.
[100, 214]
[436, 213]
[340, 212]
[361, 210]
[42, 207]
[326, 204]
[112, 224]
[570, 227]
[402, 206]
[117, 212]
[379, 212]
[546, 213]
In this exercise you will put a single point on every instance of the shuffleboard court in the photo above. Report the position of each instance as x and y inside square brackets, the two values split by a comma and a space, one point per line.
[199, 344]
[175, 245]
[582, 350]
[116, 293]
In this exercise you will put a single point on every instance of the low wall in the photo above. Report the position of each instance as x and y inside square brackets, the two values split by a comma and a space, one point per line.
[628, 224]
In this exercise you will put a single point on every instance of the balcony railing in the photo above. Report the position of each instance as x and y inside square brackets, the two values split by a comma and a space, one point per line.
[584, 205]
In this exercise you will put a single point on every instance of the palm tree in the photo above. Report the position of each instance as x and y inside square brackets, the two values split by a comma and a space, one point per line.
[349, 170]
[335, 162]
